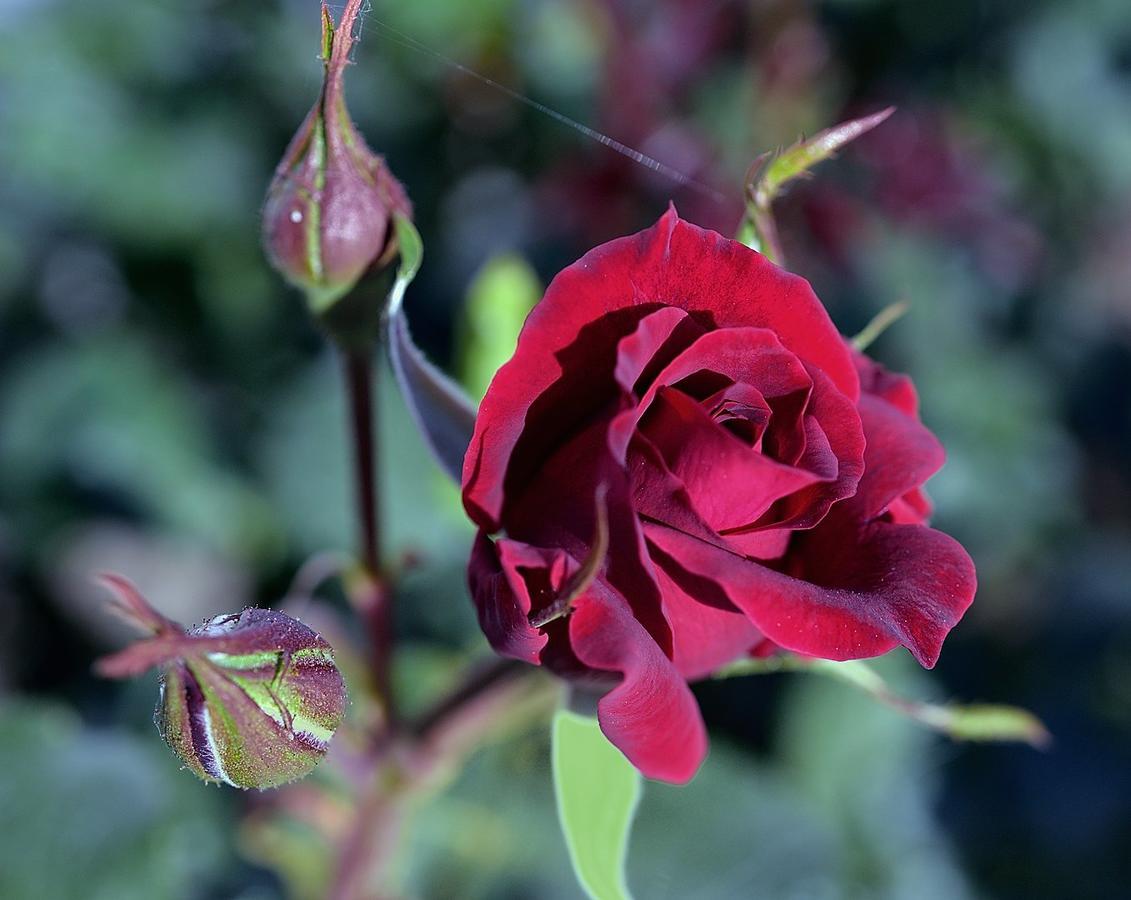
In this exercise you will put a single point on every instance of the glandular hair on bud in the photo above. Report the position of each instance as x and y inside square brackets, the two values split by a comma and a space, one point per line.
[329, 209]
[258, 702]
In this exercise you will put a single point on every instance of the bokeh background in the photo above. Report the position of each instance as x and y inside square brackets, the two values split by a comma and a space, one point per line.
[168, 411]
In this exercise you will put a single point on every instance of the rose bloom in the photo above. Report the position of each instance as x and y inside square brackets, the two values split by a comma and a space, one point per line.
[682, 425]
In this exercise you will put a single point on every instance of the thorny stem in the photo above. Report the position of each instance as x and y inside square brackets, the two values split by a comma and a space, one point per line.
[401, 763]
[369, 590]
[478, 682]
[764, 222]
[372, 831]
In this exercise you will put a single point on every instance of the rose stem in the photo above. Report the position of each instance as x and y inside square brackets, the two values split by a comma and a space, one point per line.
[468, 711]
[359, 387]
[372, 596]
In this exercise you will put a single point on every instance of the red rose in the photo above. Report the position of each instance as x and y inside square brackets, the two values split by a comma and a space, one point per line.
[758, 480]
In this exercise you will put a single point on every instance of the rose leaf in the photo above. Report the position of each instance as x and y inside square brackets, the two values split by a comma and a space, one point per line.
[597, 792]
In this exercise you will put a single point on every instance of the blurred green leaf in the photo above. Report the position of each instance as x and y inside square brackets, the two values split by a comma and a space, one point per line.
[872, 777]
[110, 414]
[100, 815]
[498, 301]
[597, 791]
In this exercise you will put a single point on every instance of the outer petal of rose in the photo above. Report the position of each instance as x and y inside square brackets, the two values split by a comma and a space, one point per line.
[896, 389]
[501, 596]
[913, 508]
[651, 715]
[865, 589]
[900, 455]
[562, 369]
[876, 382]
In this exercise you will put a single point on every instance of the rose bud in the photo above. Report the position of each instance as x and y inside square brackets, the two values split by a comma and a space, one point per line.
[685, 463]
[249, 699]
[329, 209]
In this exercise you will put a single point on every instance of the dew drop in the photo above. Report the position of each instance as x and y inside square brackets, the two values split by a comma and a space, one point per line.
[296, 216]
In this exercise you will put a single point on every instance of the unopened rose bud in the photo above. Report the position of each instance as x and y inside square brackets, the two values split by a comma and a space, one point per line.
[249, 699]
[328, 215]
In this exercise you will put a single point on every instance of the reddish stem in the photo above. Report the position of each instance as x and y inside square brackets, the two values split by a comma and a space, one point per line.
[359, 388]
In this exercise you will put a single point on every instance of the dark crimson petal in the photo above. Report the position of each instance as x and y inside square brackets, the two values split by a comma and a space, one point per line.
[861, 589]
[764, 544]
[708, 631]
[744, 412]
[722, 283]
[651, 715]
[913, 508]
[558, 509]
[659, 337]
[658, 494]
[901, 455]
[897, 436]
[730, 483]
[896, 389]
[752, 356]
[834, 449]
[502, 596]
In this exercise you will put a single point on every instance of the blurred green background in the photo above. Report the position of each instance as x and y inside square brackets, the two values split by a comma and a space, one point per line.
[168, 411]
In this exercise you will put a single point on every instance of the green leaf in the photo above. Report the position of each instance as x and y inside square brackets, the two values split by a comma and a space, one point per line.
[500, 296]
[62, 797]
[597, 791]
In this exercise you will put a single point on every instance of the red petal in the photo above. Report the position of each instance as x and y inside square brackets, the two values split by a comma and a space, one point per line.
[659, 337]
[896, 389]
[751, 356]
[860, 591]
[901, 455]
[730, 483]
[651, 715]
[658, 494]
[834, 448]
[502, 597]
[558, 509]
[570, 340]
[708, 630]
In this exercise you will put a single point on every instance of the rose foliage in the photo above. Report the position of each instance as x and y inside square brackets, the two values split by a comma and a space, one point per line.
[685, 463]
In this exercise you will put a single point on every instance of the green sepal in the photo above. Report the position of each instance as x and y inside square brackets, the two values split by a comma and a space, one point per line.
[772, 171]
